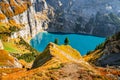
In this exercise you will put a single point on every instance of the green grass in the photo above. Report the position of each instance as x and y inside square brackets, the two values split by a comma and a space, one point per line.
[20, 50]
[28, 57]
[10, 47]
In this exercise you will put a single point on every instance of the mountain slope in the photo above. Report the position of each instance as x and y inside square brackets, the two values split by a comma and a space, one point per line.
[19, 22]
[60, 62]
[61, 16]
[84, 16]
[57, 54]
[108, 54]
[7, 61]
[23, 14]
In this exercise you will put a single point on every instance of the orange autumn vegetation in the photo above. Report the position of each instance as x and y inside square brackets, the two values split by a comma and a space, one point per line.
[7, 27]
[19, 8]
[93, 56]
[105, 71]
[12, 22]
[5, 58]
[61, 66]
[13, 8]
[10, 70]
[2, 16]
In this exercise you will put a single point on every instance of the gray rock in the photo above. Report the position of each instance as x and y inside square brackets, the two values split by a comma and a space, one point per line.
[111, 52]
[95, 17]
[74, 16]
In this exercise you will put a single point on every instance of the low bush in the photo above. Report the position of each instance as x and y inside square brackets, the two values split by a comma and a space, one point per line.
[27, 57]
[100, 46]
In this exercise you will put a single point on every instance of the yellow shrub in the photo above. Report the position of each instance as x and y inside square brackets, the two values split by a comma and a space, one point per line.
[17, 8]
[12, 21]
[2, 16]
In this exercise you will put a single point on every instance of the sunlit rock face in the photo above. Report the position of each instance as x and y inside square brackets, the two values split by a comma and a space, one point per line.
[32, 18]
[1, 45]
[32, 14]
[8, 61]
[97, 17]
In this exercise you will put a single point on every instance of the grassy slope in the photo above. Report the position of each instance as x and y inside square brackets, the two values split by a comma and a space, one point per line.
[54, 53]
[11, 47]
[21, 49]
[93, 56]
[104, 48]
[5, 58]
[58, 65]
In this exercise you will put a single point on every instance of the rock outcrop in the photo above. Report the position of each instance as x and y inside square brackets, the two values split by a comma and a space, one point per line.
[96, 17]
[26, 14]
[108, 54]
[58, 54]
[7, 61]
[1, 45]
[62, 63]
[101, 19]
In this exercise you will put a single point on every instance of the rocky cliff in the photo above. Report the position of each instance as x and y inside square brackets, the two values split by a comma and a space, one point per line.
[96, 17]
[25, 13]
[107, 53]
[58, 54]
[99, 18]
[20, 21]
[62, 63]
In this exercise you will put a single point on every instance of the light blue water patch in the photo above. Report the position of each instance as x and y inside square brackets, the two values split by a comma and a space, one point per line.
[83, 43]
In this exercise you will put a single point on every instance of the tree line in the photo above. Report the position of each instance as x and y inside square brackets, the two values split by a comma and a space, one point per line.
[66, 41]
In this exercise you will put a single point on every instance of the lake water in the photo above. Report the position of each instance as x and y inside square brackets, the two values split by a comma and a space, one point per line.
[82, 43]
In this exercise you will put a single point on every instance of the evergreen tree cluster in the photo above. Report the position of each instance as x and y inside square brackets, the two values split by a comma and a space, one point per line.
[66, 41]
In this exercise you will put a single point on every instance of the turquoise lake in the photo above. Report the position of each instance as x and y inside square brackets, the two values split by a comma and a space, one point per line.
[82, 43]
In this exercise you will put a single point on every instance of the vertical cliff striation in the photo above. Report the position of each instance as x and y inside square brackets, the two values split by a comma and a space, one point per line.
[32, 14]
[95, 17]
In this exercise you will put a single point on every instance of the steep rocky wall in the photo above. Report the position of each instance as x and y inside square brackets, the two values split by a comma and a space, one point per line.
[25, 13]
[96, 17]
[84, 16]
[111, 52]
[107, 54]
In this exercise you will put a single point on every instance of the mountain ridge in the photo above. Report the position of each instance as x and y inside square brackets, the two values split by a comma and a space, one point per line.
[76, 18]
[58, 66]
[43, 15]
[57, 61]
[107, 54]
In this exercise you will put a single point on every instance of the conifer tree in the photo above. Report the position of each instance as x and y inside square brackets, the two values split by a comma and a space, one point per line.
[56, 41]
[66, 41]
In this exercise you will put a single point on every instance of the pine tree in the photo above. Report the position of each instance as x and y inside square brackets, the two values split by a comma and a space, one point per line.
[56, 41]
[66, 41]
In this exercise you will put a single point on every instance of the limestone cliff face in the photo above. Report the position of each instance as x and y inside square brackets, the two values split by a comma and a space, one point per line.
[25, 13]
[96, 17]
[84, 16]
